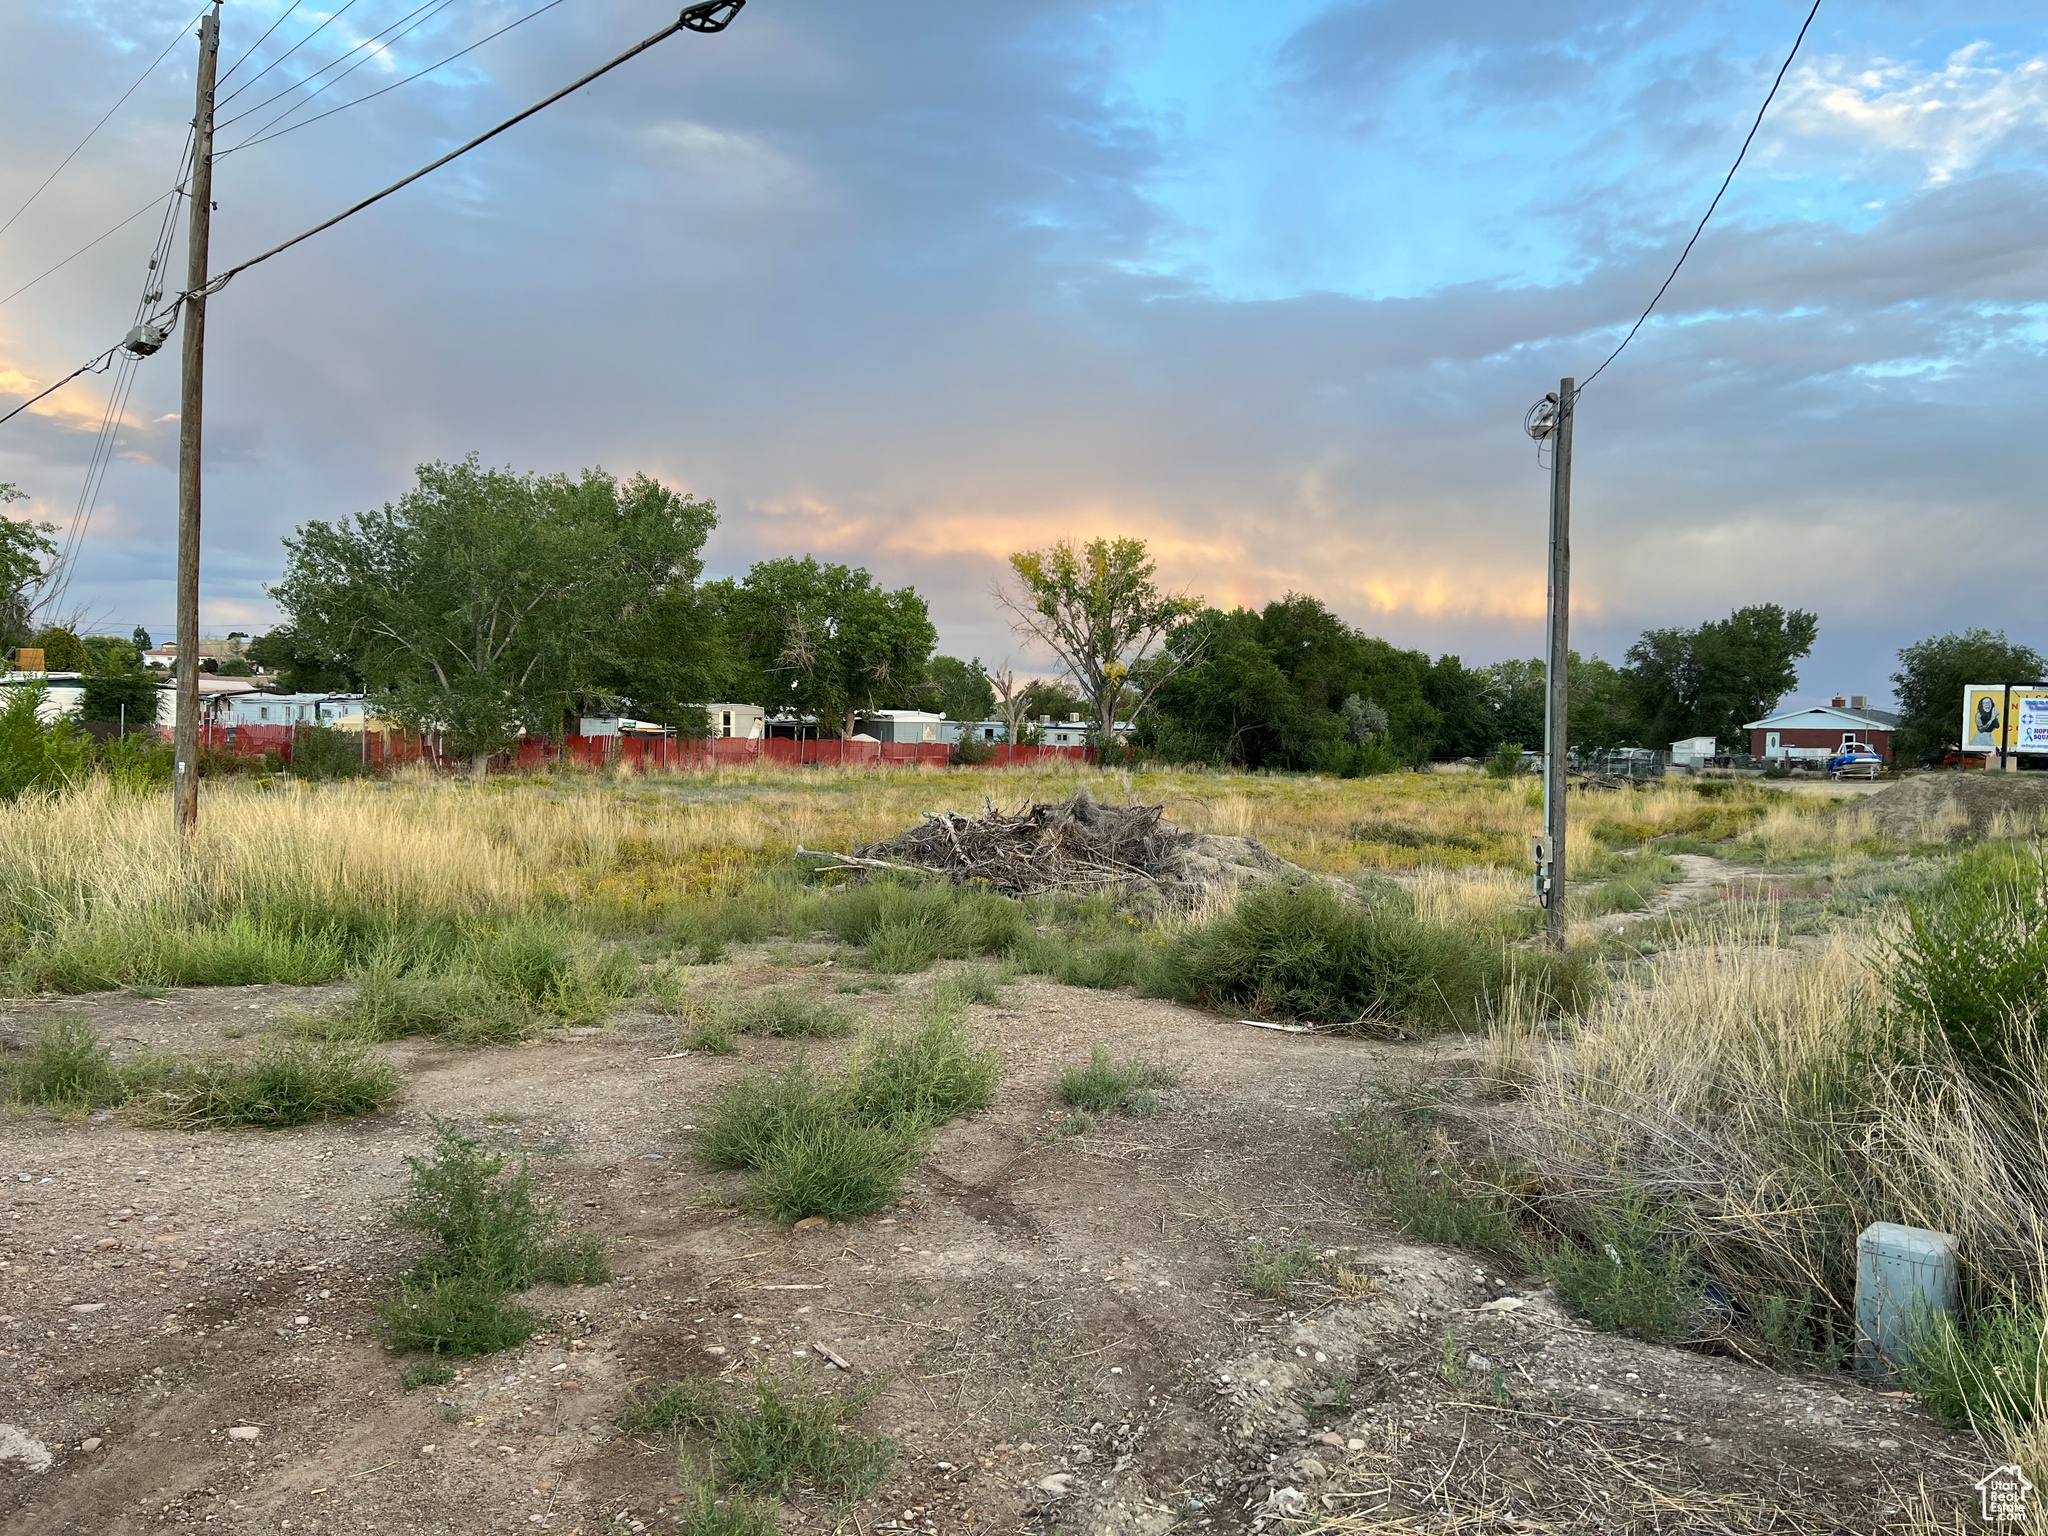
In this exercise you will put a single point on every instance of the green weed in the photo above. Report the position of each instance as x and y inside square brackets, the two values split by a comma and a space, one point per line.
[1105, 1084]
[781, 1434]
[285, 1084]
[1634, 1276]
[1274, 1272]
[67, 1068]
[424, 1373]
[1991, 1374]
[919, 1078]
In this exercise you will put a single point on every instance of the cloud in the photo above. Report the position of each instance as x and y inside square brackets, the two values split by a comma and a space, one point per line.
[914, 289]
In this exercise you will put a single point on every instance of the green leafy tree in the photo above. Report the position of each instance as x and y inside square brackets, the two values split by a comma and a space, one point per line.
[298, 666]
[1934, 672]
[115, 696]
[1099, 611]
[25, 553]
[63, 651]
[110, 653]
[1599, 713]
[142, 640]
[1713, 680]
[962, 688]
[1518, 693]
[484, 601]
[822, 640]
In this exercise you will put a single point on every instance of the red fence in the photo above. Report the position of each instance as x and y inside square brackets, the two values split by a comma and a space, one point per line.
[643, 754]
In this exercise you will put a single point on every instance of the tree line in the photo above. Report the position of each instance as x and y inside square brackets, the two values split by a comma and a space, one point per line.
[484, 603]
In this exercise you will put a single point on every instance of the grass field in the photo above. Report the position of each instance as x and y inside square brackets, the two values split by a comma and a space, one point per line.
[1722, 1098]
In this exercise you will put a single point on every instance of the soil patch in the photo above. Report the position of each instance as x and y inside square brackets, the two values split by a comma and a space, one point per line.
[1061, 1323]
[1949, 807]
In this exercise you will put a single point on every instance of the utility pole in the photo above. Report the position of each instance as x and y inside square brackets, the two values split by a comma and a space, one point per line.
[185, 784]
[1551, 420]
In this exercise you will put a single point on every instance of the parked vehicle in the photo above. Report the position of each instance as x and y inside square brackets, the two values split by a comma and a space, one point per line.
[1856, 760]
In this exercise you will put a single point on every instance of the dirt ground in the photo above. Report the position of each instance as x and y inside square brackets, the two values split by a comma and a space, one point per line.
[1061, 1322]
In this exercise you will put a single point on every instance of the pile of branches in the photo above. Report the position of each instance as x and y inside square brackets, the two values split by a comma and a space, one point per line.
[1070, 845]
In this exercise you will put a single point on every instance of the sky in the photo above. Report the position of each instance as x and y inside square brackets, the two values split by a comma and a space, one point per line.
[914, 284]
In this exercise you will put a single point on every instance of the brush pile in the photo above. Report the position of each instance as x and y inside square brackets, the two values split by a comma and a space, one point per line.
[1076, 846]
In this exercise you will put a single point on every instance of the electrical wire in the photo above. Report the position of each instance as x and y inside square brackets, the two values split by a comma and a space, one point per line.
[704, 16]
[55, 582]
[307, 79]
[397, 32]
[250, 52]
[96, 127]
[138, 213]
[263, 137]
[331, 17]
[1725, 182]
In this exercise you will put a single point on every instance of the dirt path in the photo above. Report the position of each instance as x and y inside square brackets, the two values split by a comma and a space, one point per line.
[1061, 1323]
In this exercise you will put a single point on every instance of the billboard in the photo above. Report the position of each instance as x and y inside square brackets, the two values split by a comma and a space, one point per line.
[1984, 717]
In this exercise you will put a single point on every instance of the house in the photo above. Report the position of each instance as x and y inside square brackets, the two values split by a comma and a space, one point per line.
[953, 732]
[746, 721]
[899, 725]
[1819, 731]
[61, 691]
[165, 657]
[256, 708]
[1071, 732]
[617, 725]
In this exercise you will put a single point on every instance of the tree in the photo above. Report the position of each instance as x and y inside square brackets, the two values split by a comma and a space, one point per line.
[114, 696]
[1933, 674]
[142, 640]
[300, 668]
[1712, 681]
[110, 653]
[62, 651]
[484, 600]
[1099, 612]
[24, 550]
[1518, 694]
[1010, 702]
[962, 687]
[822, 640]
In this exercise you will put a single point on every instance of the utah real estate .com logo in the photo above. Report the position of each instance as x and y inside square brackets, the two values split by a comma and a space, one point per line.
[2002, 1495]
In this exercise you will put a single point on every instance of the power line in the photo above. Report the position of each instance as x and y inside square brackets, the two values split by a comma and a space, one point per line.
[397, 31]
[96, 127]
[305, 80]
[250, 52]
[331, 17]
[262, 137]
[1725, 181]
[702, 16]
[138, 213]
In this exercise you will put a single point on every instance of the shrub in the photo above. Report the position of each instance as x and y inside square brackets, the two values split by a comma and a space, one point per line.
[781, 1434]
[390, 1005]
[792, 1015]
[67, 1068]
[114, 697]
[1635, 1276]
[832, 1167]
[920, 1078]
[1971, 962]
[1301, 952]
[1274, 1272]
[753, 1117]
[703, 1513]
[1506, 761]
[904, 927]
[321, 752]
[35, 757]
[491, 1238]
[141, 760]
[1991, 1376]
[1106, 1084]
[285, 1085]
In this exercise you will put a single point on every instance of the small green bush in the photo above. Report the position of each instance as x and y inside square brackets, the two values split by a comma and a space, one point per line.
[904, 927]
[703, 1513]
[1106, 1084]
[790, 1015]
[463, 1007]
[320, 752]
[712, 1031]
[1274, 1272]
[424, 1373]
[833, 1167]
[1635, 1276]
[782, 1434]
[491, 1238]
[753, 1117]
[35, 757]
[138, 762]
[1388, 1142]
[67, 1068]
[1989, 1376]
[916, 1079]
[286, 1084]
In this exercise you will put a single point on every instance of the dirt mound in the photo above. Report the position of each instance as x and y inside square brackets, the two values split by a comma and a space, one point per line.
[1948, 807]
[1080, 845]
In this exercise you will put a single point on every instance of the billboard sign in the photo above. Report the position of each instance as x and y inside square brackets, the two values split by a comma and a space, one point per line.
[1984, 717]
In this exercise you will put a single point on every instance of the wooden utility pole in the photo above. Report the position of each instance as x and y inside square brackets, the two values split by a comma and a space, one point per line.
[199, 221]
[1550, 871]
